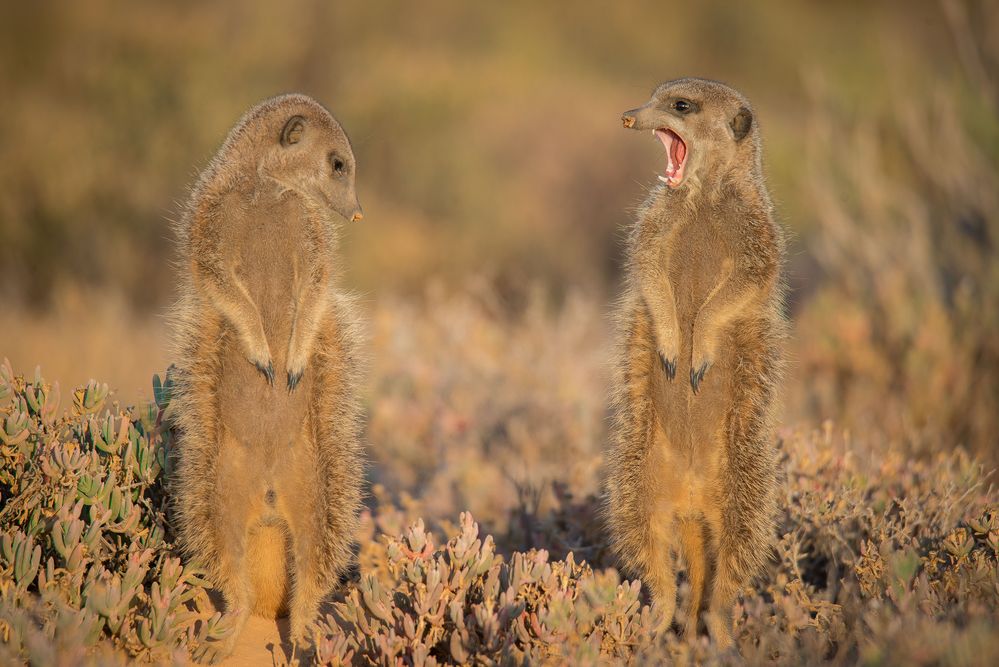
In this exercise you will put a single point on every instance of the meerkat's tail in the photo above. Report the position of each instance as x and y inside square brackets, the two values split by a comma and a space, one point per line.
[267, 562]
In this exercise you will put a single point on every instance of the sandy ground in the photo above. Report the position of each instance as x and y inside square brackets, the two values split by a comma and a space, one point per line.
[264, 642]
[257, 645]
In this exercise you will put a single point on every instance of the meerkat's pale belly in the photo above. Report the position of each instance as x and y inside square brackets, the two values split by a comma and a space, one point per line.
[690, 478]
[692, 426]
[259, 415]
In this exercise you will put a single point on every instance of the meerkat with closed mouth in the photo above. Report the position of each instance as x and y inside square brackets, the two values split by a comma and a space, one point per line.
[692, 468]
[268, 474]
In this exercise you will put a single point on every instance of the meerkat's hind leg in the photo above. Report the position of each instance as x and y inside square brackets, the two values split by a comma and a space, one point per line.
[238, 615]
[303, 510]
[232, 522]
[237, 588]
[696, 557]
[659, 576]
[661, 581]
[307, 590]
[718, 616]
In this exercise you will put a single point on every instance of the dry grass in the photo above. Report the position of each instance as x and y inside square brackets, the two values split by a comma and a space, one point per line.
[86, 333]
[899, 336]
[881, 557]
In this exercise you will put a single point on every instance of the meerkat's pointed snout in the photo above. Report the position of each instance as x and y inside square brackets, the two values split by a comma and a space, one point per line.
[351, 211]
[350, 208]
[638, 119]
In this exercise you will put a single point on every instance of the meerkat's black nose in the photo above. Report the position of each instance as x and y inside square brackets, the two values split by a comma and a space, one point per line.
[628, 120]
[357, 217]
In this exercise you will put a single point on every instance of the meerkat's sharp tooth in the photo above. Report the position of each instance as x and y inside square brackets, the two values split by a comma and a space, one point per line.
[663, 178]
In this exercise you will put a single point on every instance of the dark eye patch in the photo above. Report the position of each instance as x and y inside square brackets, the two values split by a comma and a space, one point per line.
[683, 106]
[338, 164]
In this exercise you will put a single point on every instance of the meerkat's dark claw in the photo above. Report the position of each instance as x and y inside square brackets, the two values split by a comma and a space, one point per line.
[697, 376]
[293, 380]
[267, 370]
[668, 366]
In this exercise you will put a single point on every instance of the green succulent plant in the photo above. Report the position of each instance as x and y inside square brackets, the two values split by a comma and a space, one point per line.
[85, 552]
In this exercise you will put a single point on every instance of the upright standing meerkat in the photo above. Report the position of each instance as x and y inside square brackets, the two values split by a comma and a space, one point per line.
[269, 465]
[692, 469]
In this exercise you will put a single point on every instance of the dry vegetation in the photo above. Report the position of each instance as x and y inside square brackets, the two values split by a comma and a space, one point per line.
[487, 395]
[906, 316]
[881, 558]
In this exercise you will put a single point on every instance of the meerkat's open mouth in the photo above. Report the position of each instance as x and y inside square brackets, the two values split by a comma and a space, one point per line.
[676, 156]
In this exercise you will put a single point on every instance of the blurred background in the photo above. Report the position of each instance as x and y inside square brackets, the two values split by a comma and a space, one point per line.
[497, 184]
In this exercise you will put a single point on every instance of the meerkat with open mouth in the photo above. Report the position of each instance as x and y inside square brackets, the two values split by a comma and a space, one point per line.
[692, 469]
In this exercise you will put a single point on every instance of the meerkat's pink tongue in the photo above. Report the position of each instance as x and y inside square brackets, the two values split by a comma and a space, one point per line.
[676, 153]
[677, 149]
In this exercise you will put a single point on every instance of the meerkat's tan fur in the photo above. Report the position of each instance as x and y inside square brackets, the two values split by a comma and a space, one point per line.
[692, 466]
[268, 475]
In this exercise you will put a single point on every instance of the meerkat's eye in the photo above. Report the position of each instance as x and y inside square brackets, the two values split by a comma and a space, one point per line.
[338, 164]
[683, 106]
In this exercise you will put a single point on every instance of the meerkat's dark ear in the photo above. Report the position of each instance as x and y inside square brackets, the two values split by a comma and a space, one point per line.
[741, 123]
[293, 131]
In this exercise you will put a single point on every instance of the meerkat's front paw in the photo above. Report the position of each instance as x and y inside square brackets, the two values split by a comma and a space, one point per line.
[267, 369]
[697, 375]
[296, 369]
[668, 347]
[700, 362]
[294, 377]
[669, 365]
[259, 354]
[298, 359]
